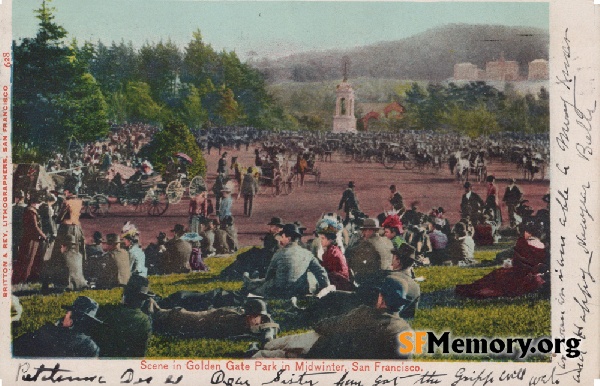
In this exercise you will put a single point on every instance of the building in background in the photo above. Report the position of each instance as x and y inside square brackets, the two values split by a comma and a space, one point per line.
[538, 70]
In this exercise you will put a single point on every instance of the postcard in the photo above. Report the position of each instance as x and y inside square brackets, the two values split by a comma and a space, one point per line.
[344, 193]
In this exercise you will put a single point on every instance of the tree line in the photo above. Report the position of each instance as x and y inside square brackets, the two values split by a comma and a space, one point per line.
[67, 91]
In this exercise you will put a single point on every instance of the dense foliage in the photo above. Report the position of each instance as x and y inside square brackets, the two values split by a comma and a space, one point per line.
[55, 97]
[175, 137]
[472, 108]
[66, 92]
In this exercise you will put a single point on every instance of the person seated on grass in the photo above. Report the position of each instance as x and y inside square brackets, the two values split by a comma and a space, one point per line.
[217, 323]
[365, 332]
[438, 240]
[400, 279]
[154, 253]
[208, 237]
[176, 258]
[525, 273]
[69, 337]
[370, 256]
[461, 250]
[293, 271]
[392, 227]
[399, 275]
[486, 230]
[224, 244]
[126, 329]
[417, 237]
[333, 259]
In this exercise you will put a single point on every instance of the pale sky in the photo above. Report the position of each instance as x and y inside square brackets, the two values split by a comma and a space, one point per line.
[270, 28]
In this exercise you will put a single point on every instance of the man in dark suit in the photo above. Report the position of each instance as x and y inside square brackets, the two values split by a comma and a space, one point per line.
[69, 337]
[471, 203]
[512, 197]
[349, 201]
[399, 280]
[396, 200]
[177, 254]
[126, 329]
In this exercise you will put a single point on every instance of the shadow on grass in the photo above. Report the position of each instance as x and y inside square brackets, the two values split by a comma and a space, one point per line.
[447, 298]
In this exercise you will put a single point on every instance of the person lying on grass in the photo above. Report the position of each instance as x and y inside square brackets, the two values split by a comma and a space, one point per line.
[217, 323]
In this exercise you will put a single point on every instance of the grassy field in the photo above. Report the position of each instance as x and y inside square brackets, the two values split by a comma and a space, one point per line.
[439, 310]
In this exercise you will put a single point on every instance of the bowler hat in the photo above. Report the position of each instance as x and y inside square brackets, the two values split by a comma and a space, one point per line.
[255, 307]
[84, 306]
[392, 187]
[178, 228]
[276, 221]
[370, 223]
[467, 185]
[291, 230]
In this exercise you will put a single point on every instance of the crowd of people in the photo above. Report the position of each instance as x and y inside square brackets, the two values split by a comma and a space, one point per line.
[357, 268]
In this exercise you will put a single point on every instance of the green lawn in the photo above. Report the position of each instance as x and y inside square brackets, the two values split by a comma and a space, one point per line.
[439, 310]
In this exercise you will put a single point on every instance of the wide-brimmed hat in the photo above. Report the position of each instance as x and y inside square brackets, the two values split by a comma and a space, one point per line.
[112, 238]
[328, 226]
[129, 231]
[178, 228]
[276, 221]
[370, 223]
[191, 237]
[405, 250]
[393, 221]
[84, 306]
[393, 291]
[291, 229]
[138, 285]
[255, 307]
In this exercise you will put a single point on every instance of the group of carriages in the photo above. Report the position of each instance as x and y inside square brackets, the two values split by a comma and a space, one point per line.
[143, 190]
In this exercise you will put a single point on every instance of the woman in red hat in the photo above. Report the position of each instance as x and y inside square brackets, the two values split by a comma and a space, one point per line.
[392, 228]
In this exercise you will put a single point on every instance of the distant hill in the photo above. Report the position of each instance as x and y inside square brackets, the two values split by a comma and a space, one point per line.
[430, 55]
